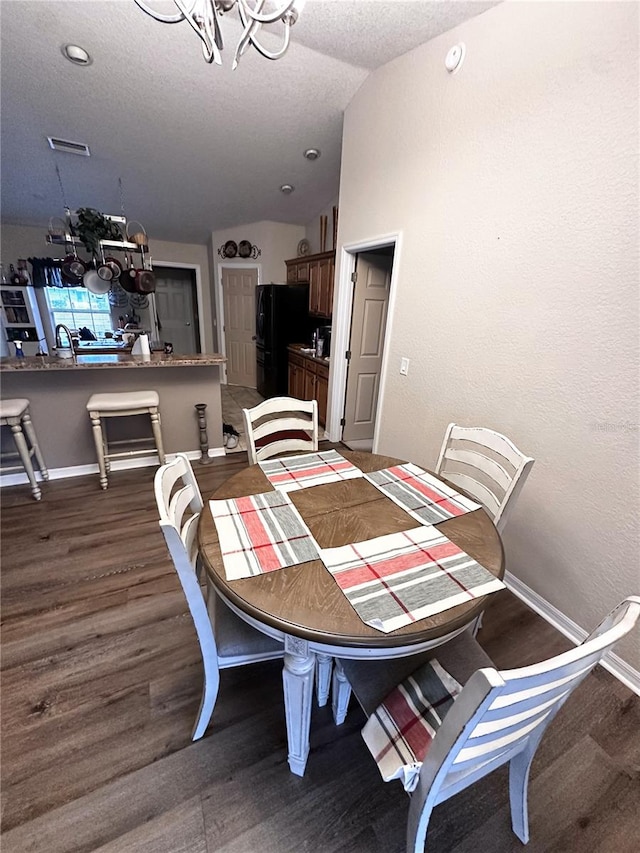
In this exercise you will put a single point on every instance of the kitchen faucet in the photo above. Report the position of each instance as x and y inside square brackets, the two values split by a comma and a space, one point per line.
[58, 340]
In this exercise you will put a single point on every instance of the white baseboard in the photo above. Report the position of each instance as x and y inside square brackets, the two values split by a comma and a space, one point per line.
[117, 465]
[625, 673]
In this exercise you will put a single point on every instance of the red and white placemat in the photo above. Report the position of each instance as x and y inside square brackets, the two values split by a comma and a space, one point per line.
[423, 496]
[308, 469]
[261, 533]
[394, 580]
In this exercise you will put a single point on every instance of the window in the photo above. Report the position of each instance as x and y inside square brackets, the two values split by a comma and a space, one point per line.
[77, 307]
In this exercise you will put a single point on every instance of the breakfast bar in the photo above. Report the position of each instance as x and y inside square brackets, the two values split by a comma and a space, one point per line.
[58, 390]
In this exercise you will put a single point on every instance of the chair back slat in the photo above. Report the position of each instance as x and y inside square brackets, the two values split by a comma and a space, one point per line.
[487, 438]
[277, 448]
[475, 489]
[475, 459]
[181, 501]
[277, 417]
[288, 423]
[486, 465]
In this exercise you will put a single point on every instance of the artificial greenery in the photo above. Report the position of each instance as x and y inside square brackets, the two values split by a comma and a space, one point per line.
[93, 226]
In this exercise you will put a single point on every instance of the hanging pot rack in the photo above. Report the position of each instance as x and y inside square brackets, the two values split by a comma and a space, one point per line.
[68, 239]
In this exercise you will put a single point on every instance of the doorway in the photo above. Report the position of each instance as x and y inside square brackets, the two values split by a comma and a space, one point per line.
[341, 332]
[174, 309]
[239, 306]
[372, 280]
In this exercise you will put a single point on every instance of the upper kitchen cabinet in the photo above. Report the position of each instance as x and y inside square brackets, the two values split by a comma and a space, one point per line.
[319, 271]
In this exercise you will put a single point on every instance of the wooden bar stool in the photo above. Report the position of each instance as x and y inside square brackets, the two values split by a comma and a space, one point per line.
[15, 413]
[101, 406]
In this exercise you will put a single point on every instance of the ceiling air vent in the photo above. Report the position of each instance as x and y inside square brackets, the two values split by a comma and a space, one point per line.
[68, 146]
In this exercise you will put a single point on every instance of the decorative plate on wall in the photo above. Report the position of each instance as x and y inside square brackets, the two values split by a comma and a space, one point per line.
[230, 249]
[244, 248]
[303, 248]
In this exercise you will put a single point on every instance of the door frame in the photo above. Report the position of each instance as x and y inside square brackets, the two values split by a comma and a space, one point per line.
[341, 331]
[179, 265]
[219, 298]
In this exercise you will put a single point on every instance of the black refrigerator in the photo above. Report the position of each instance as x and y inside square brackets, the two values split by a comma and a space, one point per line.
[282, 318]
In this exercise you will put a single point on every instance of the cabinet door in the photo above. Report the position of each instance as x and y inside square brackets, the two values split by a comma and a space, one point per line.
[314, 287]
[292, 273]
[322, 393]
[296, 379]
[309, 384]
[302, 271]
[325, 287]
[293, 369]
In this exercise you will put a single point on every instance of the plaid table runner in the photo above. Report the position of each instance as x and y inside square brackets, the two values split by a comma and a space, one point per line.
[423, 496]
[400, 578]
[401, 729]
[261, 533]
[308, 469]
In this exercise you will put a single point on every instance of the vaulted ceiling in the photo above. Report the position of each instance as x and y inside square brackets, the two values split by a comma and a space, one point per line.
[198, 147]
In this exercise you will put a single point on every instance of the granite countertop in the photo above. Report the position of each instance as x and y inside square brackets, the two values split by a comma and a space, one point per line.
[301, 350]
[120, 360]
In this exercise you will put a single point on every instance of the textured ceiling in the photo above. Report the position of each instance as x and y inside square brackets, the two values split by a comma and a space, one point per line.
[198, 147]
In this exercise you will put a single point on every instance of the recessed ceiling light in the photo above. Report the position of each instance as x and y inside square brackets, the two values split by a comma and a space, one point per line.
[76, 54]
[287, 189]
[312, 153]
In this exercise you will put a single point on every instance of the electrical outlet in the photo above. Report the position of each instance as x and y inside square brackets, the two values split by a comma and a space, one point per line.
[404, 366]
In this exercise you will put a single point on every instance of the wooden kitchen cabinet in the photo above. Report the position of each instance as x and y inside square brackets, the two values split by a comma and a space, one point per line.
[309, 384]
[296, 377]
[319, 271]
[322, 391]
[309, 380]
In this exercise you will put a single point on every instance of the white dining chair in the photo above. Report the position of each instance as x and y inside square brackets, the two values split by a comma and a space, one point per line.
[280, 425]
[486, 465]
[497, 717]
[225, 639]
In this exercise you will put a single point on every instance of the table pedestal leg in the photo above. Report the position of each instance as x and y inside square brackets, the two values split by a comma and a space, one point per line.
[341, 693]
[297, 679]
[323, 678]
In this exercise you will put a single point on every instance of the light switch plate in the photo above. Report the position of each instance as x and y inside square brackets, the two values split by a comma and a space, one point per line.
[404, 366]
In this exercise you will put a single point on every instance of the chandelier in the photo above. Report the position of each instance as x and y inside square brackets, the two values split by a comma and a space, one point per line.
[203, 16]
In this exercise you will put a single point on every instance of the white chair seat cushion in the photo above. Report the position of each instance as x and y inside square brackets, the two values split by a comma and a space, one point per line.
[123, 401]
[234, 637]
[401, 729]
[13, 408]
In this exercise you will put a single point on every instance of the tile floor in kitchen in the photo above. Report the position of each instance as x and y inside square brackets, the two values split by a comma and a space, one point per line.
[235, 398]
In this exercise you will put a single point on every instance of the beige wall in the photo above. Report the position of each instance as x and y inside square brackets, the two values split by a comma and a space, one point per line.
[514, 184]
[17, 241]
[312, 229]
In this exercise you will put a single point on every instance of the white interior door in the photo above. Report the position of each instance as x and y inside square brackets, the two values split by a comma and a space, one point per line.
[174, 301]
[239, 297]
[368, 323]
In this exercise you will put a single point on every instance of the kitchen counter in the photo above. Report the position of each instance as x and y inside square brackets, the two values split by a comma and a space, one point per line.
[306, 352]
[120, 360]
[58, 390]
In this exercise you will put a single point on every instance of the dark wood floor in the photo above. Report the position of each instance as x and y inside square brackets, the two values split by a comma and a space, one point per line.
[101, 681]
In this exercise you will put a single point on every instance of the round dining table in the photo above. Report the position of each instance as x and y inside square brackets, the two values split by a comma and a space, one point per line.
[303, 606]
